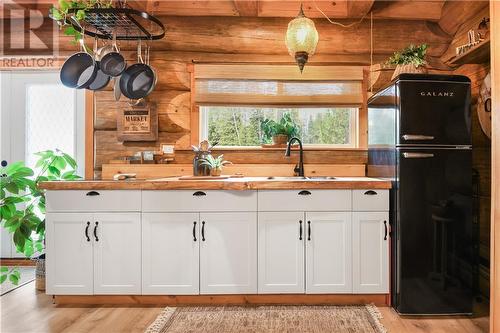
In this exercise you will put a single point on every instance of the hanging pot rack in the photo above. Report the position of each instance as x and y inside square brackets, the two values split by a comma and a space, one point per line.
[126, 23]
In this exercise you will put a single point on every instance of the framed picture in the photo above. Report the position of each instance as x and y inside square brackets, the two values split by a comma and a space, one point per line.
[138, 123]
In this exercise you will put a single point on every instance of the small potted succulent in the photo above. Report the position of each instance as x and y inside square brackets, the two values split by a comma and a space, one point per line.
[215, 164]
[409, 60]
[279, 131]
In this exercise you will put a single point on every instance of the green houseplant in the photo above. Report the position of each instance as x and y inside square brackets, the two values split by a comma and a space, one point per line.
[279, 131]
[75, 9]
[22, 203]
[215, 164]
[409, 60]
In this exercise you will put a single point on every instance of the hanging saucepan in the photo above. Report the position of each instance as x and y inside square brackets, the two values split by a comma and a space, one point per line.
[138, 80]
[79, 70]
[101, 79]
[113, 63]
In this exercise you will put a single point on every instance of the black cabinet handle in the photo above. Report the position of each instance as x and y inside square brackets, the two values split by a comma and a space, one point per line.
[199, 194]
[385, 230]
[370, 192]
[194, 231]
[87, 231]
[203, 230]
[304, 192]
[308, 230]
[92, 193]
[95, 232]
[300, 229]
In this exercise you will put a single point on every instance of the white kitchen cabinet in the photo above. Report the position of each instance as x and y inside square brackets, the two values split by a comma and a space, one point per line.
[328, 253]
[228, 253]
[281, 252]
[93, 253]
[170, 253]
[370, 252]
[69, 262]
[117, 253]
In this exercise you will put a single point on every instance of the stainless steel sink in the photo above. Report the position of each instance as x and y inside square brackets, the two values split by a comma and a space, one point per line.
[287, 178]
[301, 178]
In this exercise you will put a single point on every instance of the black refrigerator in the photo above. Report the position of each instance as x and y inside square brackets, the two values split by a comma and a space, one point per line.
[419, 136]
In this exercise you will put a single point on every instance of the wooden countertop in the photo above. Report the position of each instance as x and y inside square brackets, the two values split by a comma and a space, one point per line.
[246, 183]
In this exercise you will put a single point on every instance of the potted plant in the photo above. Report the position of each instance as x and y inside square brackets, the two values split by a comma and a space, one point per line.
[280, 131]
[22, 207]
[215, 164]
[409, 60]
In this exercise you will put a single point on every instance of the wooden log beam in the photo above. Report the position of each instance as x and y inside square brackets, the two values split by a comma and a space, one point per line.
[456, 13]
[408, 10]
[359, 8]
[246, 7]
[265, 35]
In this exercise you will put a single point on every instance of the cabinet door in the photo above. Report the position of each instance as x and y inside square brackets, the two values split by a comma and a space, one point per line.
[281, 252]
[228, 253]
[117, 253]
[370, 252]
[328, 252]
[69, 254]
[170, 253]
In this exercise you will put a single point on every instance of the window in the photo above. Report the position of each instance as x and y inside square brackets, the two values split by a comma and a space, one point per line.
[323, 102]
[240, 125]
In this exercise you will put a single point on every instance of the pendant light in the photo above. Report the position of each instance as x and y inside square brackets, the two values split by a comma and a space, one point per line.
[301, 38]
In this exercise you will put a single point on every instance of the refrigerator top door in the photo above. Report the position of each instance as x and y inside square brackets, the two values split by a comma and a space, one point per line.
[433, 112]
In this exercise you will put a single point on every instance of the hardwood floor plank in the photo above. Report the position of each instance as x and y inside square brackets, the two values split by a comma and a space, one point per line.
[25, 310]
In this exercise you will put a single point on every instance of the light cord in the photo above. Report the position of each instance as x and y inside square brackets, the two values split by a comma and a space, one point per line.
[338, 23]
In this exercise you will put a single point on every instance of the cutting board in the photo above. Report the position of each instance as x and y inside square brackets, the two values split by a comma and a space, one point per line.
[203, 177]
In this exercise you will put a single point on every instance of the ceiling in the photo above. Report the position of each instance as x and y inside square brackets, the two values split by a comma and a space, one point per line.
[337, 9]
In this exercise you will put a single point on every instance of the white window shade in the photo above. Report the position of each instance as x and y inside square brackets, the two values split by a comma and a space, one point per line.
[278, 85]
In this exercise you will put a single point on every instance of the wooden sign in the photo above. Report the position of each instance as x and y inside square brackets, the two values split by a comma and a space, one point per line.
[138, 123]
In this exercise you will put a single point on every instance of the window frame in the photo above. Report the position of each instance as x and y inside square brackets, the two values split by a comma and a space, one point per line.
[353, 133]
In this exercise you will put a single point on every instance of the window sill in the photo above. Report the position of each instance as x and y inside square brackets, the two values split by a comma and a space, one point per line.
[295, 147]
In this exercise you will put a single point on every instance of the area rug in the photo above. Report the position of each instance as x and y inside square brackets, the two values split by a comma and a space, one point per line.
[269, 319]
[27, 275]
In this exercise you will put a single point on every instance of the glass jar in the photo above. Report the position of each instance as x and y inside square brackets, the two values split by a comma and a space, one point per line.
[200, 169]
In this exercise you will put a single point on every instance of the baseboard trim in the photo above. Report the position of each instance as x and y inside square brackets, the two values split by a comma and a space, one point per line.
[271, 299]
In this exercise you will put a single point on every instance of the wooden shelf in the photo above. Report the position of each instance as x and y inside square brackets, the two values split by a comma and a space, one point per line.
[479, 54]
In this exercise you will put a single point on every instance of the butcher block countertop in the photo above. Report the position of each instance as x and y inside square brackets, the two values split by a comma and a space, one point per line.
[244, 183]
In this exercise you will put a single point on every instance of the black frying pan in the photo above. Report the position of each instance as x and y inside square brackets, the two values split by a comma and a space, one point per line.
[138, 80]
[78, 71]
[100, 81]
[113, 63]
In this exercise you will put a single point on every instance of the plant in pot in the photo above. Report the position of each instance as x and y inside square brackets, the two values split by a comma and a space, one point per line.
[215, 164]
[279, 131]
[409, 60]
[22, 207]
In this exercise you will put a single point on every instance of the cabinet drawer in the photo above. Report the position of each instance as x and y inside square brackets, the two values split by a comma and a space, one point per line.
[370, 200]
[93, 201]
[305, 200]
[199, 201]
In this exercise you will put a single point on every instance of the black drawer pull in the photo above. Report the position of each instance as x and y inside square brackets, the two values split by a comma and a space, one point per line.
[300, 229]
[308, 230]
[199, 194]
[194, 231]
[304, 192]
[87, 231]
[203, 231]
[370, 192]
[385, 229]
[95, 232]
[92, 193]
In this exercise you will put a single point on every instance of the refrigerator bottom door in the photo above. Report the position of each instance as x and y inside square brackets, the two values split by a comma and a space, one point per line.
[436, 239]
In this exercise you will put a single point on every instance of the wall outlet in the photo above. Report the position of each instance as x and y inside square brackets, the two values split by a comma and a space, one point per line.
[167, 149]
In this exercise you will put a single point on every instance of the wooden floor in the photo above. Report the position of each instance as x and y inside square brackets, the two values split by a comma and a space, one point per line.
[25, 310]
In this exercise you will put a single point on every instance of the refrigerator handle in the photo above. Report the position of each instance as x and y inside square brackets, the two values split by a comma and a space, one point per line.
[417, 137]
[418, 155]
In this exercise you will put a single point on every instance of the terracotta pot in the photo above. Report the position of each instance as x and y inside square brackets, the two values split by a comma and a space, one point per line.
[215, 172]
[409, 68]
[280, 139]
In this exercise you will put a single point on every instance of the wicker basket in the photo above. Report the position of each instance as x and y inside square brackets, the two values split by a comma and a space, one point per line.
[40, 274]
[409, 68]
